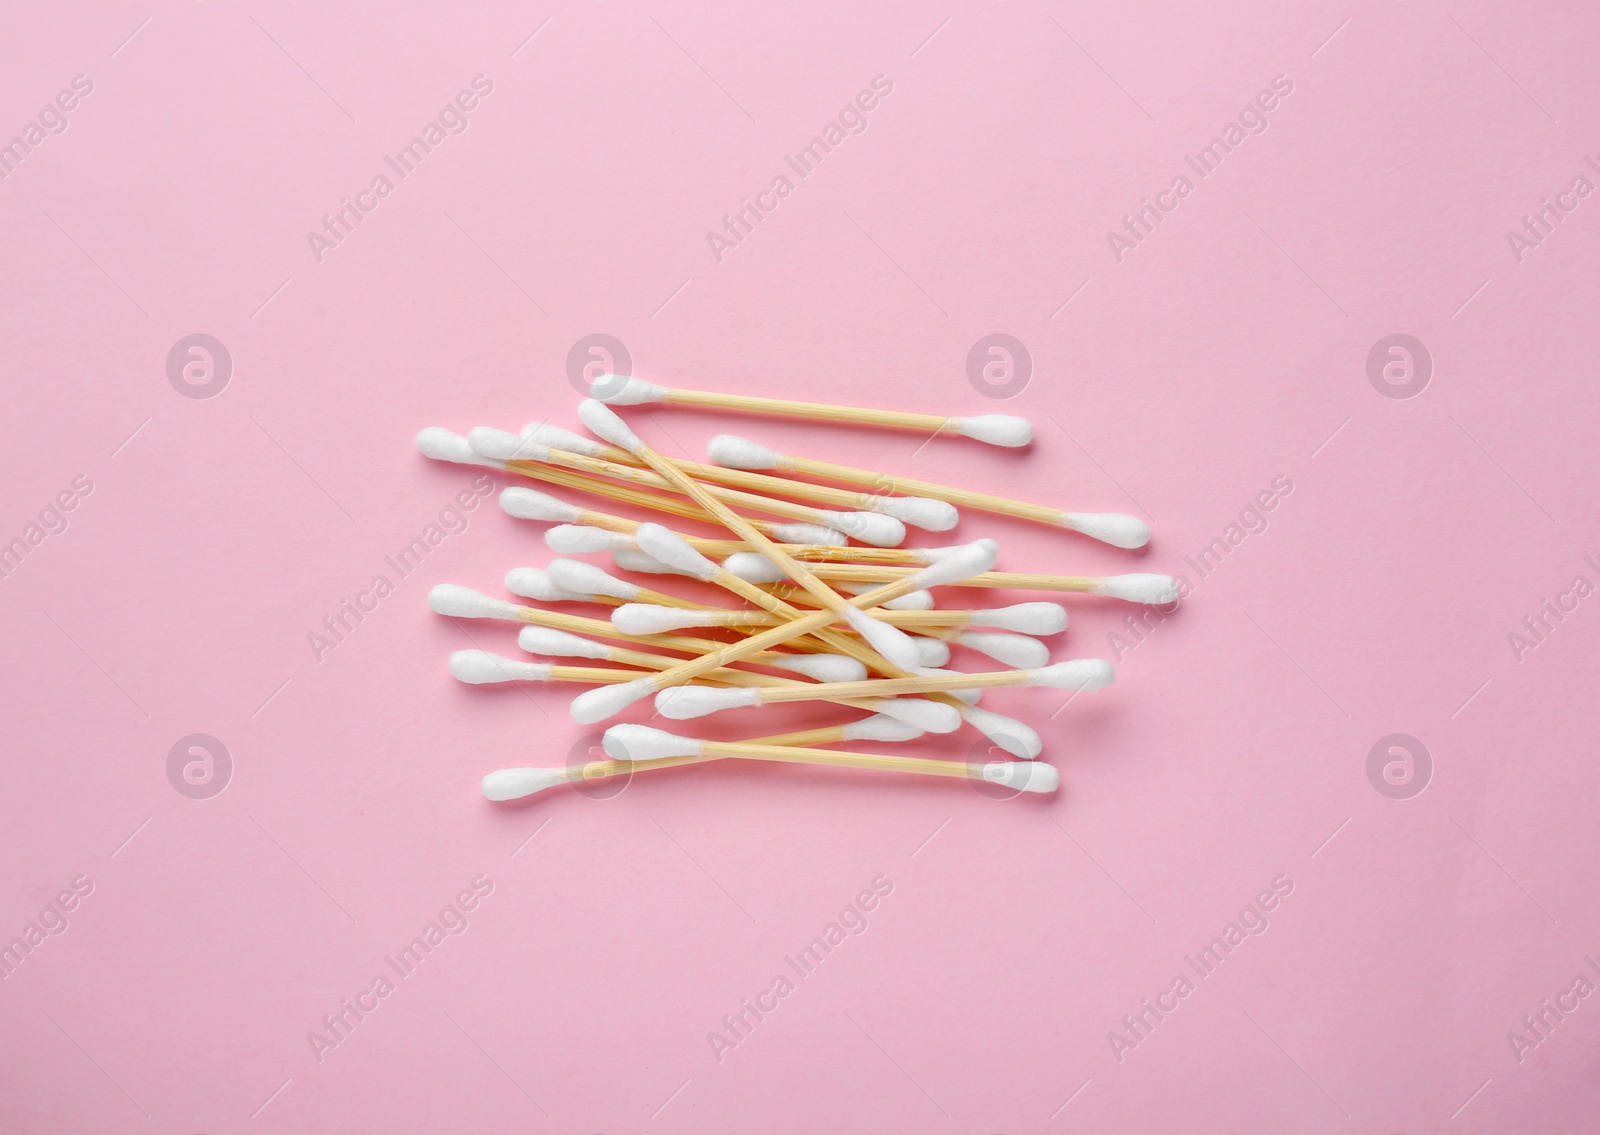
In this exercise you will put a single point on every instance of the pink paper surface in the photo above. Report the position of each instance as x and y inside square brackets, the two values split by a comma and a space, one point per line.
[1420, 920]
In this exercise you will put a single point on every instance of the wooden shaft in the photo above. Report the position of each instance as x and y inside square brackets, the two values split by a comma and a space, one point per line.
[635, 476]
[876, 761]
[940, 619]
[932, 422]
[983, 502]
[867, 573]
[816, 552]
[896, 687]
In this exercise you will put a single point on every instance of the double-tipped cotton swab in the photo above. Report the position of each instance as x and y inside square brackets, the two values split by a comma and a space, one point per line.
[682, 702]
[638, 743]
[516, 783]
[995, 429]
[530, 504]
[1113, 528]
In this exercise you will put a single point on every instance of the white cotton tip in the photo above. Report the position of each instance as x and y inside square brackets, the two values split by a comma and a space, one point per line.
[1016, 650]
[1015, 737]
[674, 551]
[530, 504]
[741, 453]
[1113, 528]
[604, 424]
[479, 668]
[969, 696]
[551, 643]
[465, 603]
[869, 527]
[586, 579]
[1075, 674]
[996, 429]
[1028, 776]
[515, 783]
[625, 390]
[1028, 618]
[881, 727]
[565, 440]
[930, 651]
[535, 583]
[891, 642]
[814, 534]
[822, 667]
[964, 563]
[928, 716]
[642, 743]
[753, 567]
[501, 445]
[608, 701]
[581, 540]
[920, 512]
[632, 559]
[442, 445]
[683, 702]
[1138, 587]
[648, 618]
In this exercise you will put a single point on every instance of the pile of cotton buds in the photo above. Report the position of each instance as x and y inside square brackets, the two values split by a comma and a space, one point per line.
[822, 620]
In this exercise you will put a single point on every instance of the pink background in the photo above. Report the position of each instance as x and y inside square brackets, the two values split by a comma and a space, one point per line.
[1228, 349]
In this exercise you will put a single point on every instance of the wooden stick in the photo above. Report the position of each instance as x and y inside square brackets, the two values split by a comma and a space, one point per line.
[938, 619]
[896, 687]
[865, 573]
[877, 762]
[964, 498]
